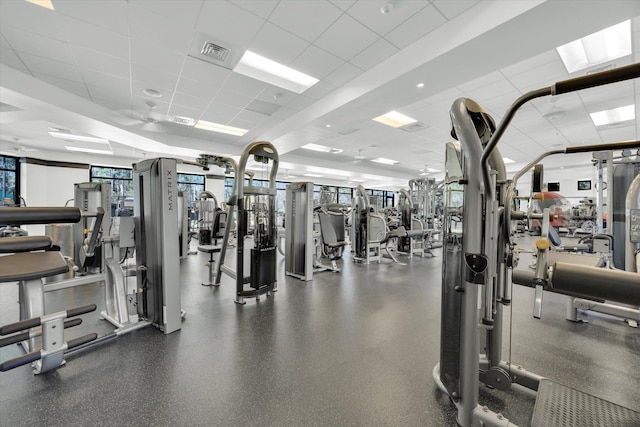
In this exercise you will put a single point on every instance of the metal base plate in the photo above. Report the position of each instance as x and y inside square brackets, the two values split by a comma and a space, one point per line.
[558, 405]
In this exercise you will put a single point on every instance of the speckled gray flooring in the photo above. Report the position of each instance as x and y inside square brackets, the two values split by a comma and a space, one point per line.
[352, 348]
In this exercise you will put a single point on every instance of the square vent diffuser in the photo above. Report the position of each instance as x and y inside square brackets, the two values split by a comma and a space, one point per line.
[214, 51]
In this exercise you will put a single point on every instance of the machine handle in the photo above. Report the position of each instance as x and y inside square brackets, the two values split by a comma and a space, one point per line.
[19, 326]
[598, 79]
[19, 361]
[72, 312]
[25, 335]
[602, 147]
[81, 340]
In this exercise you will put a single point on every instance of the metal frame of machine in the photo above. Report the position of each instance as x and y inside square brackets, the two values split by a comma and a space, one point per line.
[478, 262]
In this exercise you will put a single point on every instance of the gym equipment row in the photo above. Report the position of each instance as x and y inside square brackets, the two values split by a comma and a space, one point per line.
[478, 263]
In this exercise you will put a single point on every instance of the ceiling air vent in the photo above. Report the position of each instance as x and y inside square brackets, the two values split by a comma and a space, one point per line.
[214, 51]
[186, 121]
[413, 127]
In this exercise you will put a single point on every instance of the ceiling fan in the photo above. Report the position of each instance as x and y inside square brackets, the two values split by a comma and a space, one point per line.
[20, 148]
[358, 158]
[148, 121]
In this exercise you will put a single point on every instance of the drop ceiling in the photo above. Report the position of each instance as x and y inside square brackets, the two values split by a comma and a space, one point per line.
[85, 66]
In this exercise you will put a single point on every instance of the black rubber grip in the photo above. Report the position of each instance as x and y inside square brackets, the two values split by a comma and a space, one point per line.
[19, 361]
[72, 312]
[19, 326]
[81, 340]
[598, 79]
[39, 215]
[24, 244]
[14, 339]
[603, 147]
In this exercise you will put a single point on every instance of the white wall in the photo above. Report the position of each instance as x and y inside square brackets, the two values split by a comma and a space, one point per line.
[48, 186]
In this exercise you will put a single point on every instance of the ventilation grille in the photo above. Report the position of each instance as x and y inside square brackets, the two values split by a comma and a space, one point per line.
[348, 131]
[186, 121]
[214, 51]
[413, 127]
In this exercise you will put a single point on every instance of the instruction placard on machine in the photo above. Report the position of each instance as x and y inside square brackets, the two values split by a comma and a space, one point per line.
[634, 225]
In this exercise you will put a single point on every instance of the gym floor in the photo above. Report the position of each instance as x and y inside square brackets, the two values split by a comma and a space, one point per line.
[351, 348]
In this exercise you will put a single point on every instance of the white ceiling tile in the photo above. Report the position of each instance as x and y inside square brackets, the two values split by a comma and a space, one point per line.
[153, 79]
[251, 117]
[190, 101]
[343, 4]
[220, 113]
[618, 134]
[481, 81]
[316, 62]
[493, 90]
[204, 88]
[284, 113]
[368, 12]
[185, 111]
[245, 86]
[109, 14]
[541, 76]
[23, 41]
[451, 9]
[300, 103]
[531, 63]
[31, 18]
[343, 74]
[147, 26]
[202, 71]
[228, 22]
[184, 11]
[277, 44]
[92, 60]
[156, 57]
[336, 41]
[262, 8]
[98, 79]
[319, 90]
[276, 95]
[112, 105]
[74, 87]
[312, 17]
[8, 57]
[231, 98]
[374, 54]
[416, 27]
[4, 42]
[96, 38]
[117, 94]
[39, 65]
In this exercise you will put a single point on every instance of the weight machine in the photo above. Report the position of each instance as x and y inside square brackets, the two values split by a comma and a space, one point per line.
[478, 264]
[256, 220]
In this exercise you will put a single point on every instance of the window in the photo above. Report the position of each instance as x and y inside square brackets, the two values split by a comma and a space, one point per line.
[9, 181]
[191, 186]
[121, 180]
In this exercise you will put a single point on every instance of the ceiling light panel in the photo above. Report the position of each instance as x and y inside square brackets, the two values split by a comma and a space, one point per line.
[42, 3]
[385, 161]
[215, 127]
[263, 69]
[597, 48]
[322, 148]
[84, 138]
[615, 115]
[88, 150]
[394, 119]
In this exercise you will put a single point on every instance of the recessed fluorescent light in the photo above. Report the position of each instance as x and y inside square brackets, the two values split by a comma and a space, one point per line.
[428, 171]
[215, 127]
[507, 160]
[89, 150]
[420, 85]
[356, 180]
[313, 175]
[264, 69]
[72, 137]
[322, 148]
[385, 161]
[597, 48]
[394, 119]
[42, 3]
[615, 115]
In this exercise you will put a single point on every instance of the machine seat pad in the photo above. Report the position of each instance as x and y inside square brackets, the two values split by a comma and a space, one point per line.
[209, 248]
[24, 244]
[31, 265]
